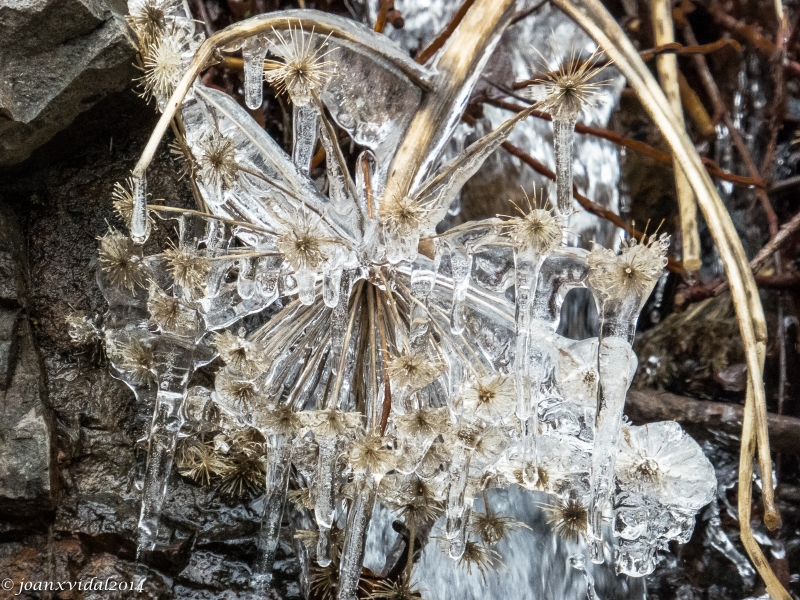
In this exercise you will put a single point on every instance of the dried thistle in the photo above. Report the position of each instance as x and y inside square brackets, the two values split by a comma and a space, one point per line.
[243, 474]
[82, 330]
[148, 20]
[169, 313]
[402, 215]
[281, 420]
[197, 460]
[331, 423]
[120, 261]
[138, 360]
[304, 71]
[414, 370]
[631, 274]
[301, 498]
[240, 392]
[187, 268]
[239, 354]
[216, 160]
[163, 65]
[569, 88]
[492, 528]
[425, 423]
[395, 590]
[537, 229]
[480, 557]
[303, 243]
[490, 398]
[370, 454]
[567, 518]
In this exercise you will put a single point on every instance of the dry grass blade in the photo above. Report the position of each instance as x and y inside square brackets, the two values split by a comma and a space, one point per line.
[595, 19]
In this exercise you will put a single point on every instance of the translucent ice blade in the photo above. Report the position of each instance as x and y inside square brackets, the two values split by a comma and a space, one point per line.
[422, 281]
[325, 507]
[342, 190]
[277, 481]
[304, 129]
[245, 283]
[456, 513]
[461, 265]
[331, 280]
[253, 51]
[440, 190]
[563, 136]
[355, 537]
[267, 275]
[366, 192]
[614, 360]
[527, 266]
[140, 223]
[306, 286]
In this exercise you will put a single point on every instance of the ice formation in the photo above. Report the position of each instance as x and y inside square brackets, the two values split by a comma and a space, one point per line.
[399, 367]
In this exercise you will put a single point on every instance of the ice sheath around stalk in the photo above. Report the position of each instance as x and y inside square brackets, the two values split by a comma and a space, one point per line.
[355, 536]
[140, 223]
[563, 137]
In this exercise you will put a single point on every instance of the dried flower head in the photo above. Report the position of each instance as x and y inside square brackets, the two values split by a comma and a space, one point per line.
[188, 268]
[303, 242]
[137, 359]
[569, 87]
[331, 423]
[536, 229]
[395, 590]
[82, 330]
[491, 528]
[414, 370]
[425, 423]
[169, 313]
[568, 519]
[244, 472]
[148, 20]
[490, 398]
[216, 160]
[402, 215]
[196, 459]
[416, 500]
[324, 581]
[282, 420]
[480, 557]
[120, 261]
[631, 274]
[371, 454]
[304, 70]
[301, 498]
[163, 65]
[239, 354]
[122, 200]
[237, 393]
[182, 154]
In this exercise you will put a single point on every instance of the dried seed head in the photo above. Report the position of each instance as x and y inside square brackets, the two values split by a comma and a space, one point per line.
[188, 268]
[236, 392]
[197, 460]
[138, 361]
[147, 18]
[281, 420]
[331, 423]
[632, 274]
[301, 498]
[216, 161]
[402, 215]
[490, 398]
[370, 454]
[480, 557]
[303, 243]
[183, 155]
[425, 423]
[120, 261]
[569, 88]
[170, 314]
[304, 71]
[122, 199]
[82, 330]
[414, 370]
[243, 474]
[163, 65]
[537, 228]
[395, 590]
[239, 354]
[493, 528]
[568, 519]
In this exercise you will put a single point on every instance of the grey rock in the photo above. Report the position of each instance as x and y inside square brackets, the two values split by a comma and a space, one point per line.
[57, 58]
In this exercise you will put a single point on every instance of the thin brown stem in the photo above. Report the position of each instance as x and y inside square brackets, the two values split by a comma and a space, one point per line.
[680, 49]
[445, 34]
[387, 387]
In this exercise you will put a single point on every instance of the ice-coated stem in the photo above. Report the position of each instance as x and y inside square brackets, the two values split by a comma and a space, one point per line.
[325, 506]
[614, 359]
[253, 51]
[140, 223]
[245, 282]
[277, 481]
[358, 518]
[456, 513]
[422, 281]
[461, 265]
[563, 135]
[305, 136]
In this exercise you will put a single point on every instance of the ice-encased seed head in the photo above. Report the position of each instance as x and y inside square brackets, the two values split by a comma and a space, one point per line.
[216, 160]
[120, 261]
[491, 398]
[631, 274]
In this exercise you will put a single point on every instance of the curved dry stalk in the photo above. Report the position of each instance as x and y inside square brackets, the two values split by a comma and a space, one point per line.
[594, 18]
[322, 23]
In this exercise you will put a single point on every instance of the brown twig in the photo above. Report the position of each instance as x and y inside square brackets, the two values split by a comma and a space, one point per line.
[606, 134]
[445, 34]
[383, 12]
[680, 49]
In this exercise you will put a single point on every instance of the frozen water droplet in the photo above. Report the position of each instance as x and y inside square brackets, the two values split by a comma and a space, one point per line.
[253, 51]
[140, 223]
[245, 284]
[306, 286]
[331, 280]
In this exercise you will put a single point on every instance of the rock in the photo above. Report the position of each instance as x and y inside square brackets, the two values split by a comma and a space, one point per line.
[59, 57]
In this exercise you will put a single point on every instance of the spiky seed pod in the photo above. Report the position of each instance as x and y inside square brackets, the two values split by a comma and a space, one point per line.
[370, 454]
[282, 420]
[414, 370]
[490, 398]
[304, 70]
[120, 261]
[569, 88]
[301, 498]
[402, 215]
[331, 423]
[216, 160]
[243, 474]
[480, 557]
[138, 360]
[303, 243]
[187, 267]
[568, 519]
[82, 330]
[147, 18]
[163, 65]
[170, 314]
[239, 354]
[197, 460]
[425, 423]
[122, 199]
[395, 590]
[183, 155]
[234, 391]
[416, 500]
[631, 274]
[493, 528]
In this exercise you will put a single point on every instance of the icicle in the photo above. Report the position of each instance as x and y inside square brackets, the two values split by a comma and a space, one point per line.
[331, 280]
[277, 480]
[325, 507]
[267, 275]
[305, 136]
[355, 537]
[306, 286]
[245, 284]
[422, 281]
[526, 273]
[563, 135]
[140, 223]
[253, 51]
[461, 264]
[456, 513]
